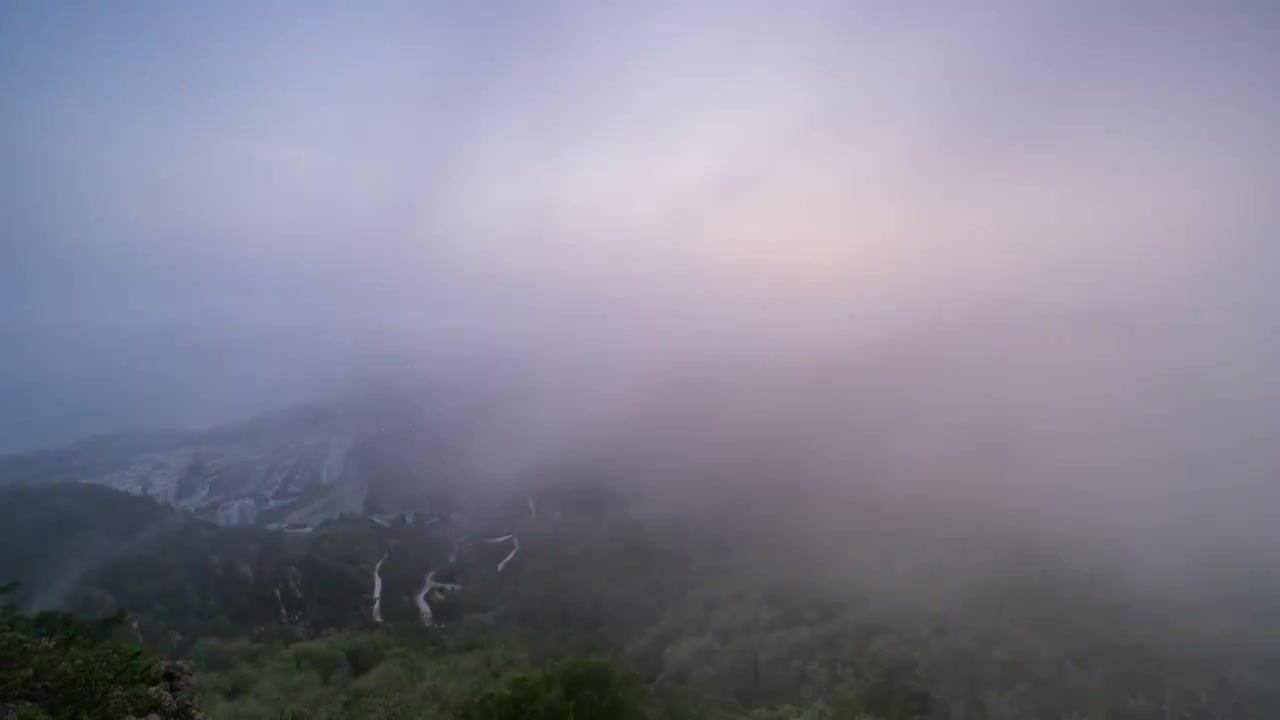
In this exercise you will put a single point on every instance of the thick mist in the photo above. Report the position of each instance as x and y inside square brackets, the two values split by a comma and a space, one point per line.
[1005, 256]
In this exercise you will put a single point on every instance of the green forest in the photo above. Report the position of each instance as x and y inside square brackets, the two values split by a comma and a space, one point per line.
[622, 611]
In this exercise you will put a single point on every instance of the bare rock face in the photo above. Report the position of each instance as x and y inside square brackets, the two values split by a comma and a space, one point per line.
[176, 694]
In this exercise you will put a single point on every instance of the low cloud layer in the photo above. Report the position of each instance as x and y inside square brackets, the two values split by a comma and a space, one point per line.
[1017, 247]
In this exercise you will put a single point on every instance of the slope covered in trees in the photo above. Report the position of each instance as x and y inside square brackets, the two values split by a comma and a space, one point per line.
[57, 666]
[708, 615]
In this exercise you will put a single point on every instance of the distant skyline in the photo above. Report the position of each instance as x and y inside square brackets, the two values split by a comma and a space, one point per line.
[210, 207]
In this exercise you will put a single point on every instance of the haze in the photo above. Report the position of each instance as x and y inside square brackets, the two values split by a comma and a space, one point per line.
[1024, 246]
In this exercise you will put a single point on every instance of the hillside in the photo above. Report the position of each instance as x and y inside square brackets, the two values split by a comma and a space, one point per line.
[300, 465]
[693, 611]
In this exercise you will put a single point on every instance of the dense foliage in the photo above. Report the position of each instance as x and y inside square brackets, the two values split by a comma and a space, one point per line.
[57, 666]
[378, 675]
[684, 620]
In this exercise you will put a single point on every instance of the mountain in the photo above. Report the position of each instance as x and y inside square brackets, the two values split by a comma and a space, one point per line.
[93, 549]
[691, 607]
[741, 598]
[297, 466]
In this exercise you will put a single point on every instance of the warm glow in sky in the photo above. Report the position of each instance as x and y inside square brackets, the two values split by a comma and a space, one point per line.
[310, 178]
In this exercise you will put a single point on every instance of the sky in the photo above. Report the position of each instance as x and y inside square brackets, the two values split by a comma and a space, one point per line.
[210, 208]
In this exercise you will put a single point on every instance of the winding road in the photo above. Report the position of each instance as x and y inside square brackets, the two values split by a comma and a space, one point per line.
[429, 584]
[515, 543]
[377, 588]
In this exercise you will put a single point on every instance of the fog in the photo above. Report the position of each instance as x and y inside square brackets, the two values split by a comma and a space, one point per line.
[1014, 254]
